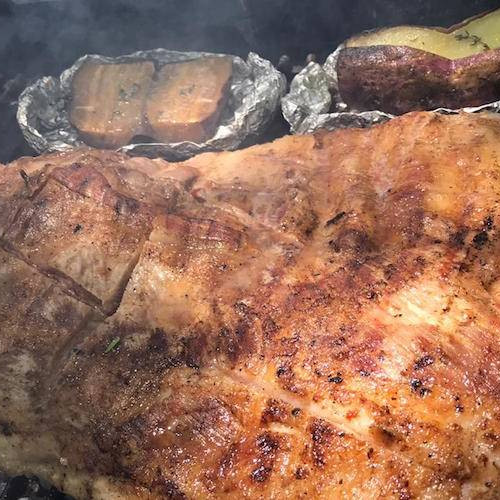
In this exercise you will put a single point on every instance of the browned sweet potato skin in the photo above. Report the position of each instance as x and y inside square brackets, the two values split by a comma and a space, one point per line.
[402, 79]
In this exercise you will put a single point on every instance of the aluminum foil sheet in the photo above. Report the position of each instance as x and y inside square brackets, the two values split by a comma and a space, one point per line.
[255, 94]
[314, 102]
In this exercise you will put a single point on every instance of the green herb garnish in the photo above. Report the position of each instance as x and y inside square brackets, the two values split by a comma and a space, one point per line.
[112, 345]
[473, 39]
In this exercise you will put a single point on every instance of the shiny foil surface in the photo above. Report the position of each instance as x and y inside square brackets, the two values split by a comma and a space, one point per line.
[314, 102]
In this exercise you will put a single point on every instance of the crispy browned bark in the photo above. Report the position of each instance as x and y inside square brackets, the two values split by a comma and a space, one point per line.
[316, 317]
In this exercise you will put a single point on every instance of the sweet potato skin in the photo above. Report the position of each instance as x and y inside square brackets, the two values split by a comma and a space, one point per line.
[398, 79]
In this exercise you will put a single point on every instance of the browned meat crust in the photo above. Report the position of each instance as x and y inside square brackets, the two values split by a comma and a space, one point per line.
[316, 317]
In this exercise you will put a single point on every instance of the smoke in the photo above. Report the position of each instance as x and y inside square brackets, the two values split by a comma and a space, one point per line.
[45, 36]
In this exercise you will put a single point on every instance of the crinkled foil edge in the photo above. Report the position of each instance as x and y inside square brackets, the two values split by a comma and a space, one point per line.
[256, 91]
[306, 107]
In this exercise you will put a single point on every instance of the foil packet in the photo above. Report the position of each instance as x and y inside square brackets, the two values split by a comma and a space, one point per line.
[314, 102]
[255, 94]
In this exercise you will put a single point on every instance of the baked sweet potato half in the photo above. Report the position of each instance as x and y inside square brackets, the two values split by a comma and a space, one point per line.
[108, 100]
[408, 68]
[187, 98]
[112, 103]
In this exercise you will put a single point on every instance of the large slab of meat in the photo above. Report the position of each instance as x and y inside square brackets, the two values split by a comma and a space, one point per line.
[312, 318]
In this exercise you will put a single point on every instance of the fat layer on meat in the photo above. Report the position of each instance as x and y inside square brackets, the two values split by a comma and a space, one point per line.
[313, 318]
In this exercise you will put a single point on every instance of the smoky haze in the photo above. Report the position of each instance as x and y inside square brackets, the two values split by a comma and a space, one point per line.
[43, 37]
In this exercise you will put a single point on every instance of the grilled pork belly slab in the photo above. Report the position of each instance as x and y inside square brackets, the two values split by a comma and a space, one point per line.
[317, 317]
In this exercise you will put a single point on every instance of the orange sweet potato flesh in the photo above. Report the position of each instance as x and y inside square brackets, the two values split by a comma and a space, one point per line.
[108, 101]
[187, 98]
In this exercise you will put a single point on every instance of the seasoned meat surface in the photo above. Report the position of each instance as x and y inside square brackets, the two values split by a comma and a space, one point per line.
[312, 318]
